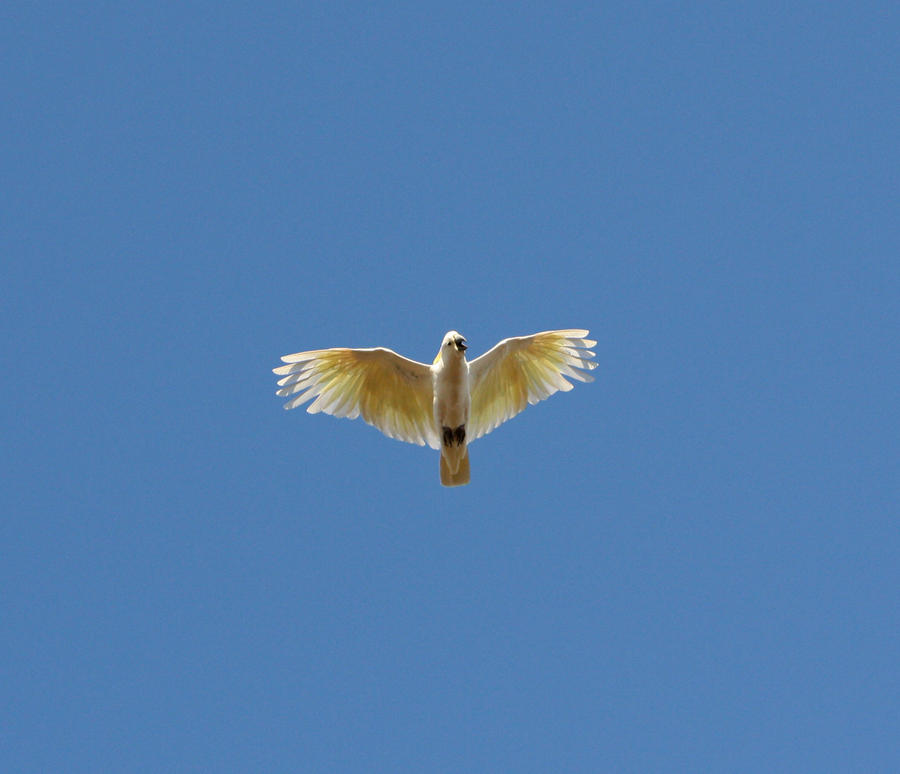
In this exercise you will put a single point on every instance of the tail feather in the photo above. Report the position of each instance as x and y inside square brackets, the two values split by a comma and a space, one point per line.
[462, 472]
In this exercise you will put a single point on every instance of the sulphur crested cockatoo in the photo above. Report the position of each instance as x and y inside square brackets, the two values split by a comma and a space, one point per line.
[446, 405]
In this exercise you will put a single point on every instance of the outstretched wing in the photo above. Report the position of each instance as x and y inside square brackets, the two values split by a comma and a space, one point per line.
[390, 392]
[523, 370]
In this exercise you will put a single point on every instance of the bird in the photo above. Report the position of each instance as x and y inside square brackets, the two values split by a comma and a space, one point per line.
[446, 405]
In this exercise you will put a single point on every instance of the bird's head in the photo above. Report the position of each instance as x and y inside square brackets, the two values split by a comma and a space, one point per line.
[454, 343]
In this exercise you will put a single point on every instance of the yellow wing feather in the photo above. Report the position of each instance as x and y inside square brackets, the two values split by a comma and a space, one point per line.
[390, 392]
[522, 371]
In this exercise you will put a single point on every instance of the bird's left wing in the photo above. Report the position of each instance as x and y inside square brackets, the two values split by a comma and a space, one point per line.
[524, 370]
[391, 392]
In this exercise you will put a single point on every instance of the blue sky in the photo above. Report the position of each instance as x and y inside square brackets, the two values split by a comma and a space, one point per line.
[688, 565]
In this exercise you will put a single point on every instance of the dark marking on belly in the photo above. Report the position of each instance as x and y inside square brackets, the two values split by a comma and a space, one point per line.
[453, 436]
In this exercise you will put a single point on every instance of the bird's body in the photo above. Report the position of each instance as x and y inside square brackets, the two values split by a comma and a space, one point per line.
[446, 405]
[450, 377]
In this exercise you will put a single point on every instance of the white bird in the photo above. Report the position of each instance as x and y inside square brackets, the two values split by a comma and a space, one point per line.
[446, 405]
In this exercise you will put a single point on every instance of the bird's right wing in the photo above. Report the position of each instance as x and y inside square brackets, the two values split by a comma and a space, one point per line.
[391, 392]
[524, 370]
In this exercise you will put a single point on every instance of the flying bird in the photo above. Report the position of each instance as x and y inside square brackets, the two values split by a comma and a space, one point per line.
[446, 405]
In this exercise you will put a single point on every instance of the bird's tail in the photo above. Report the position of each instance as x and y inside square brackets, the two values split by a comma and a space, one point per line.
[462, 472]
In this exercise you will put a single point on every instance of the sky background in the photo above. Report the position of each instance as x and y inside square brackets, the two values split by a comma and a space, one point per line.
[689, 565]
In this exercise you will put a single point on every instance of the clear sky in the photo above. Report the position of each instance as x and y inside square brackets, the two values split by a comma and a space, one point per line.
[689, 565]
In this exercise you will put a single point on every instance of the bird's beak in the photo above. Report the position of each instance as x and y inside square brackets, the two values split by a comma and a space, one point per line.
[461, 345]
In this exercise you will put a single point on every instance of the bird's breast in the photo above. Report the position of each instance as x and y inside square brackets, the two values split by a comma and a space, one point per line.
[451, 393]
